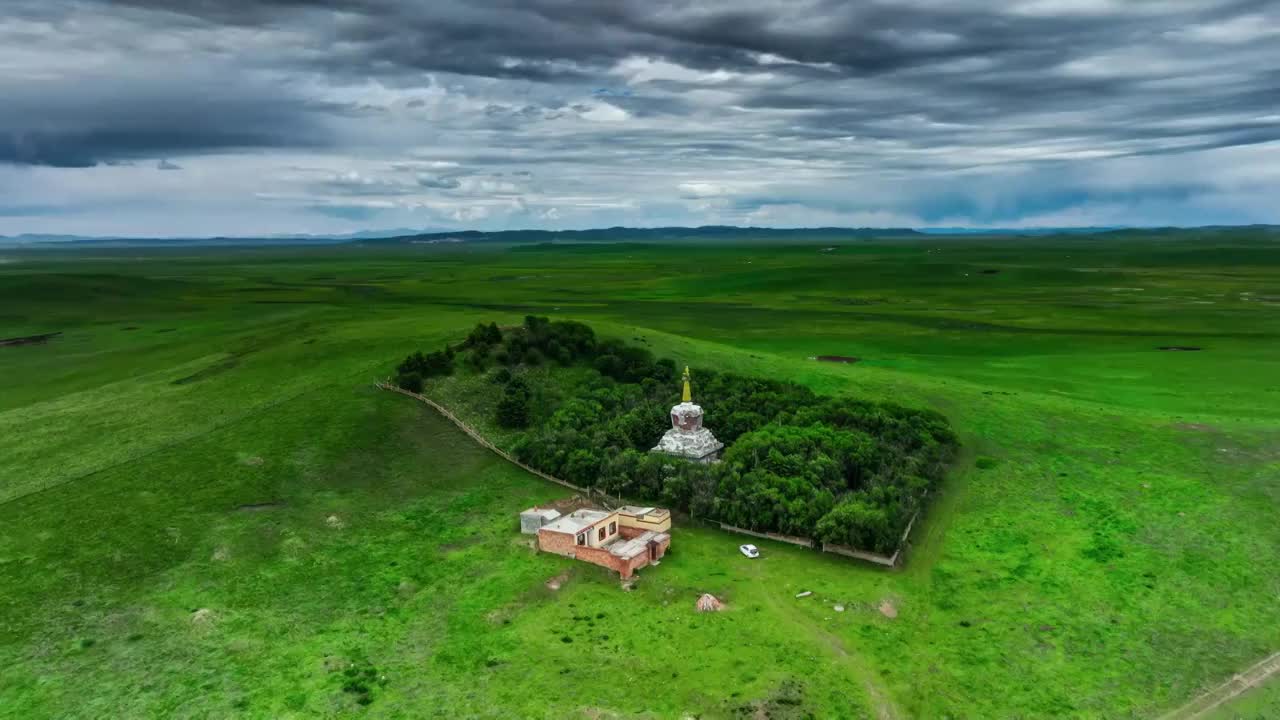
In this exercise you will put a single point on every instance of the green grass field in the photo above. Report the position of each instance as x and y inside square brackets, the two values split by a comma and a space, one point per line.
[207, 511]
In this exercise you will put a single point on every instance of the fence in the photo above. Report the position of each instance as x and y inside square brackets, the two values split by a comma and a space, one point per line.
[885, 560]
[802, 542]
[475, 435]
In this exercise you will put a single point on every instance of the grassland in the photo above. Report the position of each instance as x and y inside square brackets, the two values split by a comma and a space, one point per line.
[206, 511]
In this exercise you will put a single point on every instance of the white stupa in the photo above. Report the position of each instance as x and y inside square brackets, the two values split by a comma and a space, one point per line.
[687, 438]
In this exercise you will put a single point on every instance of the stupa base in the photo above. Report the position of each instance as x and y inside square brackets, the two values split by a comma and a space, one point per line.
[697, 446]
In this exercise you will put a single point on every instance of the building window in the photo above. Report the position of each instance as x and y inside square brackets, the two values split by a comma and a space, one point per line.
[582, 539]
[601, 534]
[613, 528]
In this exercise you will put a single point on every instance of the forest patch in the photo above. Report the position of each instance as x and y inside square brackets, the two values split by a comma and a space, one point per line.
[835, 469]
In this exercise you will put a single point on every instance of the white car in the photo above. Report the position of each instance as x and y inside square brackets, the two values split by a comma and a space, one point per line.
[750, 551]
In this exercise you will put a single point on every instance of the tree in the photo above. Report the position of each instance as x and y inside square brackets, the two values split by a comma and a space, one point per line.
[513, 411]
[411, 381]
[513, 408]
[429, 365]
[483, 336]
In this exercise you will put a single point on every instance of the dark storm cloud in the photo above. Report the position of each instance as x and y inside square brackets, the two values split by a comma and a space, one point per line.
[829, 54]
[84, 122]
[713, 105]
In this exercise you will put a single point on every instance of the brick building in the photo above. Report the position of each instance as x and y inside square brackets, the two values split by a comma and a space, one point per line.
[623, 540]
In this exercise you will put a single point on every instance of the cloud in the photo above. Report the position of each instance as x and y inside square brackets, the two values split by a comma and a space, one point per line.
[428, 180]
[85, 121]
[639, 112]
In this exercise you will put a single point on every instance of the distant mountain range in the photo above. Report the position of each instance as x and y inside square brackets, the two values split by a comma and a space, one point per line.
[36, 239]
[706, 233]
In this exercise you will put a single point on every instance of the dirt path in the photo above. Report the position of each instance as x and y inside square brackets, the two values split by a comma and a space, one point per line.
[882, 704]
[1251, 677]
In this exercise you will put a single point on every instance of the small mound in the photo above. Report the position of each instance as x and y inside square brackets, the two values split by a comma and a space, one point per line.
[709, 603]
[1179, 348]
[837, 359]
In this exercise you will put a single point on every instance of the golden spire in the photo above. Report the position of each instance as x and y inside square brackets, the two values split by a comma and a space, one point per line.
[688, 395]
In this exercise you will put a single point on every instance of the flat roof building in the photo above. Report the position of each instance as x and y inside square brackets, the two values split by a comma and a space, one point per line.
[618, 540]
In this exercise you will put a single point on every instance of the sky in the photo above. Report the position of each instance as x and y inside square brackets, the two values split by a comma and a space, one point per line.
[254, 117]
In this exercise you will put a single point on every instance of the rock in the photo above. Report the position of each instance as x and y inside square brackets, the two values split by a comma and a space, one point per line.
[838, 608]
[709, 603]
[334, 522]
[806, 593]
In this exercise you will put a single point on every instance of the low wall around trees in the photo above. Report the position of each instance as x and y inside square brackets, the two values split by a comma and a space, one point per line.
[475, 435]
[845, 550]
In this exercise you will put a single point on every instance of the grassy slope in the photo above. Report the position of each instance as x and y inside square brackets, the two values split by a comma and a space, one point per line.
[120, 488]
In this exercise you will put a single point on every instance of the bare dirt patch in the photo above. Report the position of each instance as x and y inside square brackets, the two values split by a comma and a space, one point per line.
[1179, 348]
[558, 581]
[888, 609]
[1195, 427]
[847, 359]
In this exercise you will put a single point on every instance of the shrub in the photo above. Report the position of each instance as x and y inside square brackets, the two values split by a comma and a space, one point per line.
[410, 381]
[985, 463]
[429, 365]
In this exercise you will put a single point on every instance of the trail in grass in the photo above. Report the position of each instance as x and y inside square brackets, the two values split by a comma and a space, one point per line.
[883, 705]
[1250, 678]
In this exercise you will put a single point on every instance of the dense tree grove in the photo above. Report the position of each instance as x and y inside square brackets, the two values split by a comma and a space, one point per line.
[830, 468]
[417, 367]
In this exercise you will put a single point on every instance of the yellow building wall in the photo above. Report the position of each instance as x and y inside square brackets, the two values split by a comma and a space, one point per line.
[594, 540]
[647, 523]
